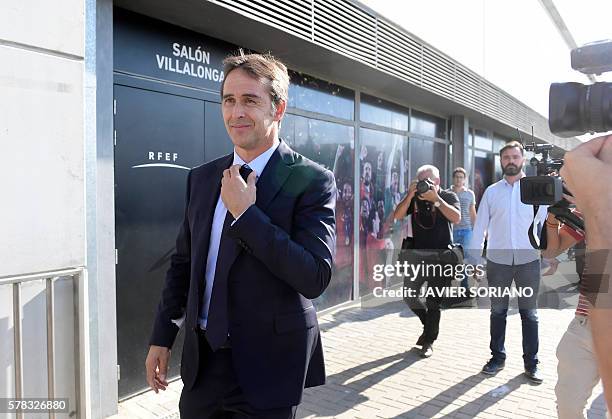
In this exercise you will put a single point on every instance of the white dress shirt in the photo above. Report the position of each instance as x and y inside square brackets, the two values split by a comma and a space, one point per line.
[505, 220]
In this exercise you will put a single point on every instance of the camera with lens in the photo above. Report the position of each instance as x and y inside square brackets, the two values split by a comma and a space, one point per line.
[423, 186]
[542, 189]
[547, 187]
[575, 108]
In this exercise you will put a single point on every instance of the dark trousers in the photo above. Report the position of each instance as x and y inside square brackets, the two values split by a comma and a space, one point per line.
[217, 394]
[525, 275]
[428, 312]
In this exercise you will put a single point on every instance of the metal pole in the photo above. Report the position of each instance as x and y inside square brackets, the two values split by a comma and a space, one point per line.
[18, 341]
[356, 197]
[77, 344]
[50, 294]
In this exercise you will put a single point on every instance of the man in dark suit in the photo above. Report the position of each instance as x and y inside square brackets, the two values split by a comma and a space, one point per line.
[256, 244]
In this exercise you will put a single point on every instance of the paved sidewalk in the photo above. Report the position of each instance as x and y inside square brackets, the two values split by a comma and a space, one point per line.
[374, 371]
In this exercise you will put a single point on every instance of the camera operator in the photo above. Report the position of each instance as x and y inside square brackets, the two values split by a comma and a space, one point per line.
[593, 160]
[577, 372]
[433, 212]
[510, 257]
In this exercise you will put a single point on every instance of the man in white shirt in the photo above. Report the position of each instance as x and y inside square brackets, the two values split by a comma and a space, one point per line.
[510, 257]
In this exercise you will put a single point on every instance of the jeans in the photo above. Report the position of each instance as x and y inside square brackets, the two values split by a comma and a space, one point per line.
[525, 275]
[463, 237]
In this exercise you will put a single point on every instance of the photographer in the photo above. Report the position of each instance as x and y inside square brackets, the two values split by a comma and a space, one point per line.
[433, 212]
[593, 160]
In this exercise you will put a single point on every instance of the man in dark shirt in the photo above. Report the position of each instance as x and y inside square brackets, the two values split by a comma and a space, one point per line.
[433, 213]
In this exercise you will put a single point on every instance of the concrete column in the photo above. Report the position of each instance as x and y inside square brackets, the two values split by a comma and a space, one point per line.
[460, 130]
[100, 208]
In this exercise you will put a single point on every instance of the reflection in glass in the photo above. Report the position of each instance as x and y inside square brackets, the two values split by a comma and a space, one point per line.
[482, 141]
[311, 94]
[332, 146]
[498, 143]
[429, 125]
[483, 173]
[380, 112]
[427, 152]
[498, 169]
[468, 166]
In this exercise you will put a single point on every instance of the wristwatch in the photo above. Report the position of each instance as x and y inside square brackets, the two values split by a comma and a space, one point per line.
[437, 204]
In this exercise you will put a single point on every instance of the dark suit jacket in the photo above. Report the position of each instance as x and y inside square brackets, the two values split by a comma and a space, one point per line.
[282, 258]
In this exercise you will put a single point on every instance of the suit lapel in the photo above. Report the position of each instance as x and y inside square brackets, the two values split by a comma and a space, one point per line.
[274, 175]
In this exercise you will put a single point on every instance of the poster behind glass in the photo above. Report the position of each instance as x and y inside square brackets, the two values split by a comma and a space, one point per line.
[332, 146]
[383, 162]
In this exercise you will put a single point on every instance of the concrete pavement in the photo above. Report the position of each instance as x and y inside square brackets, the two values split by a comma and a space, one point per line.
[375, 372]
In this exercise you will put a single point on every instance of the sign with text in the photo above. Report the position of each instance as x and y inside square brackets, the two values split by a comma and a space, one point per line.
[157, 49]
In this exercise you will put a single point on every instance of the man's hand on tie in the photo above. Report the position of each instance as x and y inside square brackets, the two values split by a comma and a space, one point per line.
[237, 195]
[157, 367]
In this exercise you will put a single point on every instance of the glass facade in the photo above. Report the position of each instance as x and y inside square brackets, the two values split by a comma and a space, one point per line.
[427, 152]
[383, 161]
[379, 112]
[331, 145]
[393, 142]
[314, 95]
[428, 125]
[483, 163]
[483, 173]
[482, 141]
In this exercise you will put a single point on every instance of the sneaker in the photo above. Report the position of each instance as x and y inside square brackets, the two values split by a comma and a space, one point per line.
[427, 350]
[493, 367]
[534, 375]
[421, 340]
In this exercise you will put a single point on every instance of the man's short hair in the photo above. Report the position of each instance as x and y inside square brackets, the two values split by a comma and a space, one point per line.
[263, 67]
[428, 168]
[459, 170]
[512, 144]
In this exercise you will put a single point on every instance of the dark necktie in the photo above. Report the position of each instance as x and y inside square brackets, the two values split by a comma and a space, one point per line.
[217, 322]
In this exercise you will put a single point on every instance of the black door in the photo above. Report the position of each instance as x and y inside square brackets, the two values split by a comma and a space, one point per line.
[159, 137]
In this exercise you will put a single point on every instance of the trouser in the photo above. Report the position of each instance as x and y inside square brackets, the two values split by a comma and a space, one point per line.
[577, 369]
[428, 312]
[217, 394]
[525, 275]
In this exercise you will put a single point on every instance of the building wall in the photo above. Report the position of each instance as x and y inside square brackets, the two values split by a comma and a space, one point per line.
[41, 108]
[43, 210]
